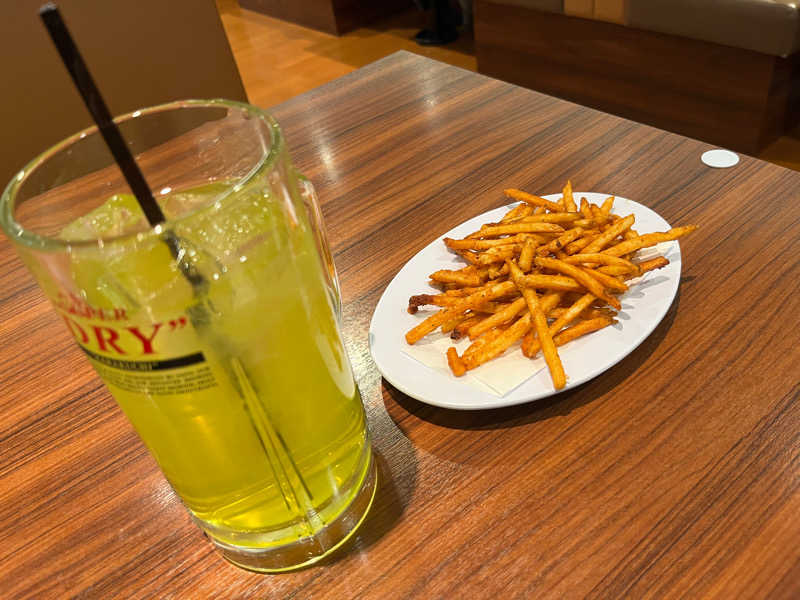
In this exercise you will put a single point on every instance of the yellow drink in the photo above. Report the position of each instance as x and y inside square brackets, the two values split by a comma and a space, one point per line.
[263, 434]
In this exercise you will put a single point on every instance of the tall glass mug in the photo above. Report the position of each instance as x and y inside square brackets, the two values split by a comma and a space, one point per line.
[224, 350]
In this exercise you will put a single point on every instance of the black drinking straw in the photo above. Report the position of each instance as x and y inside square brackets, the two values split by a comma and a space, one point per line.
[99, 111]
[116, 144]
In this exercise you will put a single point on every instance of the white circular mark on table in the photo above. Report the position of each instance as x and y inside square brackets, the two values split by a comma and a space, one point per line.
[720, 159]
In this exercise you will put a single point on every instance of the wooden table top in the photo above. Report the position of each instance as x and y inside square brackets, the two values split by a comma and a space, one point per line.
[674, 474]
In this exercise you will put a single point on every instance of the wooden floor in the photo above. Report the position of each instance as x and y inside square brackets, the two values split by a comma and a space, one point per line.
[278, 60]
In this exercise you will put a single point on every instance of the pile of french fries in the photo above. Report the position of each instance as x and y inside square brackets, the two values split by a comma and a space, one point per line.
[547, 273]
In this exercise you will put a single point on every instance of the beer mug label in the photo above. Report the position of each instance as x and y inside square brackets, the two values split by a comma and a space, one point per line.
[162, 359]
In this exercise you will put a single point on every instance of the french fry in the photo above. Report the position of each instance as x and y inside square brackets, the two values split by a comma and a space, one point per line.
[585, 223]
[589, 313]
[582, 328]
[540, 325]
[649, 239]
[531, 345]
[497, 319]
[469, 290]
[499, 254]
[580, 244]
[563, 217]
[468, 256]
[500, 344]
[430, 300]
[455, 362]
[435, 320]
[585, 210]
[569, 201]
[475, 244]
[494, 230]
[461, 329]
[526, 256]
[479, 343]
[597, 258]
[533, 200]
[498, 270]
[461, 277]
[652, 264]
[598, 215]
[561, 241]
[609, 234]
[606, 207]
[552, 282]
[451, 324]
[514, 212]
[579, 275]
[608, 281]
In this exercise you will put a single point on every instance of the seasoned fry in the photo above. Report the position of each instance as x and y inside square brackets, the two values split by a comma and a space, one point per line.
[585, 223]
[589, 313]
[597, 258]
[534, 200]
[561, 241]
[579, 275]
[585, 210]
[434, 321]
[496, 271]
[531, 344]
[460, 330]
[479, 343]
[469, 276]
[469, 290]
[579, 245]
[569, 201]
[652, 264]
[475, 244]
[499, 254]
[582, 328]
[649, 239]
[499, 344]
[563, 217]
[526, 256]
[552, 282]
[468, 256]
[515, 212]
[497, 319]
[494, 230]
[414, 302]
[606, 207]
[608, 281]
[540, 325]
[609, 234]
[598, 215]
[451, 324]
[455, 362]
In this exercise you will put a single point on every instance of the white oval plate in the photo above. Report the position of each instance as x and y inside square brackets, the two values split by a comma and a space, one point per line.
[643, 307]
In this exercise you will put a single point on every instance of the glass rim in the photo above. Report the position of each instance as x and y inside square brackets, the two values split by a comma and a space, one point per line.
[20, 235]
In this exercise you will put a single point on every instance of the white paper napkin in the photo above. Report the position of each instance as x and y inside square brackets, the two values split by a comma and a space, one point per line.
[497, 377]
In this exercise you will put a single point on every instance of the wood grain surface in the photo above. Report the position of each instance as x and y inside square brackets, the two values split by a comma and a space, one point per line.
[674, 474]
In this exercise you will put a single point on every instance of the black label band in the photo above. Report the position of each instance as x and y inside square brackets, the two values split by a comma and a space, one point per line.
[147, 365]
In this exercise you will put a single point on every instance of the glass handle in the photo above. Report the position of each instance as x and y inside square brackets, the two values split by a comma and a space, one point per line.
[311, 203]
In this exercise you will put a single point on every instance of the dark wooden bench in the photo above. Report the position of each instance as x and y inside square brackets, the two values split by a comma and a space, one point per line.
[723, 72]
